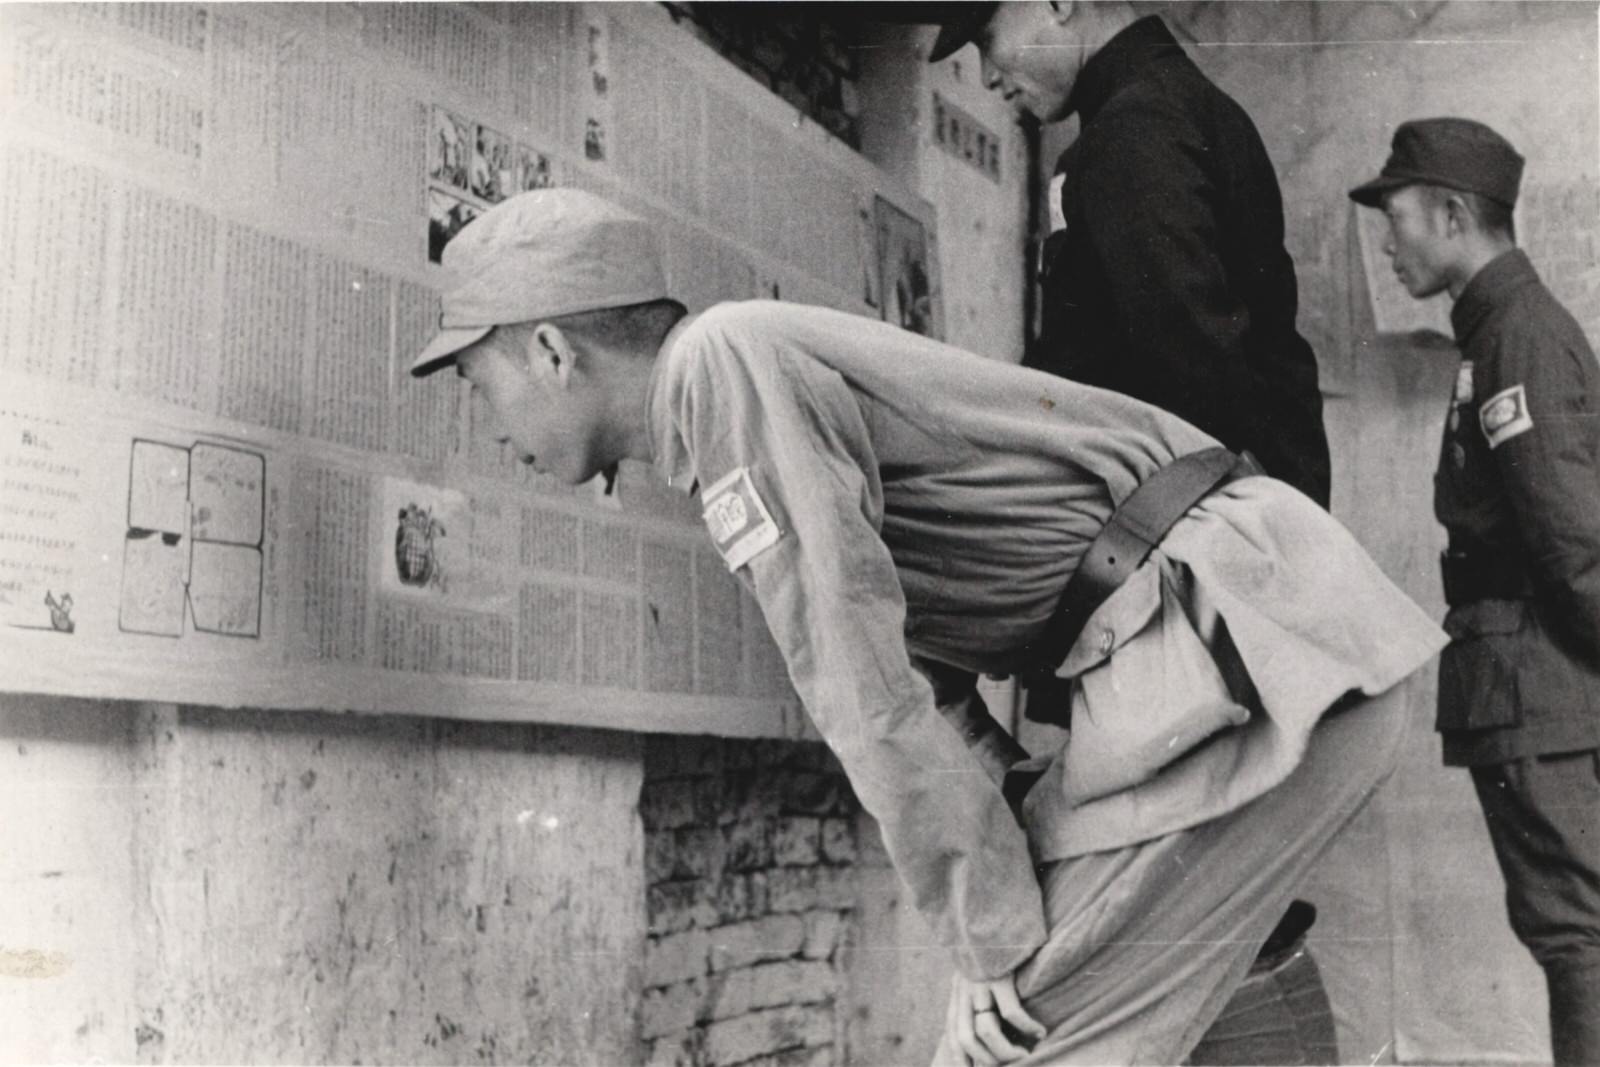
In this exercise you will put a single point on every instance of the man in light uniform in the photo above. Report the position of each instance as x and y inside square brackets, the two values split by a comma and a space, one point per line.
[1518, 490]
[900, 508]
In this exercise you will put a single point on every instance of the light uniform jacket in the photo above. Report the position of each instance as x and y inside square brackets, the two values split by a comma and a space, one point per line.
[886, 496]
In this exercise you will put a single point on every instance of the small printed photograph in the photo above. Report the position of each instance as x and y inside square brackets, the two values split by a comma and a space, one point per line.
[446, 215]
[492, 176]
[906, 285]
[449, 149]
[534, 170]
[424, 550]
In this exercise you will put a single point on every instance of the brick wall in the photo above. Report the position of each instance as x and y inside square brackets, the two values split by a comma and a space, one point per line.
[750, 864]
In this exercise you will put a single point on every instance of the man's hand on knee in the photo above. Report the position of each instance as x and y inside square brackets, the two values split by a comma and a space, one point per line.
[988, 1021]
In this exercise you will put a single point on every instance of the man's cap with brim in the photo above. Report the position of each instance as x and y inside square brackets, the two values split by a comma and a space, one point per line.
[538, 256]
[1450, 153]
[959, 25]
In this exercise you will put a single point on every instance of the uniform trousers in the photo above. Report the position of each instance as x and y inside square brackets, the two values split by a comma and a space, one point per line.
[1147, 943]
[1543, 814]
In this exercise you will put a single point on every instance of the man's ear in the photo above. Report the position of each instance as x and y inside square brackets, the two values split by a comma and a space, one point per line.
[551, 353]
[1061, 11]
[1459, 216]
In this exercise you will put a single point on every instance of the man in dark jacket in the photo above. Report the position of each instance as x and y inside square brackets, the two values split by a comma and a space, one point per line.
[1518, 490]
[1170, 282]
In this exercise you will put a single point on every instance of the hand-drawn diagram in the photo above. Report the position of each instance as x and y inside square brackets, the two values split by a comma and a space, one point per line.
[193, 548]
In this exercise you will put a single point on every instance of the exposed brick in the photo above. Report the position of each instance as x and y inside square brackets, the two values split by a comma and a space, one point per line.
[738, 755]
[771, 985]
[670, 1009]
[809, 756]
[771, 751]
[839, 840]
[773, 937]
[676, 957]
[816, 1056]
[750, 794]
[680, 1050]
[699, 852]
[667, 805]
[766, 1032]
[660, 857]
[660, 756]
[709, 800]
[804, 888]
[823, 929]
[812, 793]
[699, 756]
[740, 896]
[674, 906]
[796, 842]
[747, 845]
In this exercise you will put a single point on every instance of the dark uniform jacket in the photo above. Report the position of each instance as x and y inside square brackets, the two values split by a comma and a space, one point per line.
[1518, 489]
[1170, 282]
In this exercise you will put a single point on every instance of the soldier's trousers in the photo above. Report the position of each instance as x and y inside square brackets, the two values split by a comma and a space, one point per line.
[1148, 942]
[1543, 814]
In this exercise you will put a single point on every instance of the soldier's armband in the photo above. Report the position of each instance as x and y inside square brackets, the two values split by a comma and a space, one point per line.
[1505, 415]
[738, 520]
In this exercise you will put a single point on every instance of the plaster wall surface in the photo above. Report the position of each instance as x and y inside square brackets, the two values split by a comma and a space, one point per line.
[202, 885]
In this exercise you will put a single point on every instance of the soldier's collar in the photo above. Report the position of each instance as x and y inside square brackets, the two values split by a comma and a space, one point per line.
[1133, 48]
[1507, 271]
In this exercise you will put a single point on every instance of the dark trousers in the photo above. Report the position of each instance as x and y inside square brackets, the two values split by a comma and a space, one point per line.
[1543, 814]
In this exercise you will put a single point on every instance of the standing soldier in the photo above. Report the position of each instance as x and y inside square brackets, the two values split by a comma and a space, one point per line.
[1518, 489]
[1169, 281]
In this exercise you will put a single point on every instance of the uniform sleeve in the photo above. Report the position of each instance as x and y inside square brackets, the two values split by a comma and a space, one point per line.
[1150, 210]
[1536, 408]
[790, 432]
[955, 694]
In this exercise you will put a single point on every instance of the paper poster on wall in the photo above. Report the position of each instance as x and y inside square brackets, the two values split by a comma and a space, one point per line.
[597, 122]
[533, 170]
[446, 216]
[493, 178]
[449, 149]
[905, 282]
[192, 551]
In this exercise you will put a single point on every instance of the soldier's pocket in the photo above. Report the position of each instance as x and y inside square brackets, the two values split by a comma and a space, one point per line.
[1478, 670]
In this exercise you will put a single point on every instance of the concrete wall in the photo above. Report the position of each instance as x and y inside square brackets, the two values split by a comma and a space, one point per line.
[194, 885]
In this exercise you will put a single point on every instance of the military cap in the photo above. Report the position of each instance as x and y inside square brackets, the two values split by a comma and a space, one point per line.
[959, 24]
[540, 255]
[1453, 153]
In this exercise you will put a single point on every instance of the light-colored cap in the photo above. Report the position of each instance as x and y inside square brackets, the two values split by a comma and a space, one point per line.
[538, 255]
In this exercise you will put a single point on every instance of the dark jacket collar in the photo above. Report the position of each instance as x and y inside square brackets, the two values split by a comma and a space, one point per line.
[1119, 60]
[1505, 272]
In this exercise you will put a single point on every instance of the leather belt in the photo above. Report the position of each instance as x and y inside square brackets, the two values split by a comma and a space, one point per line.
[1134, 528]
